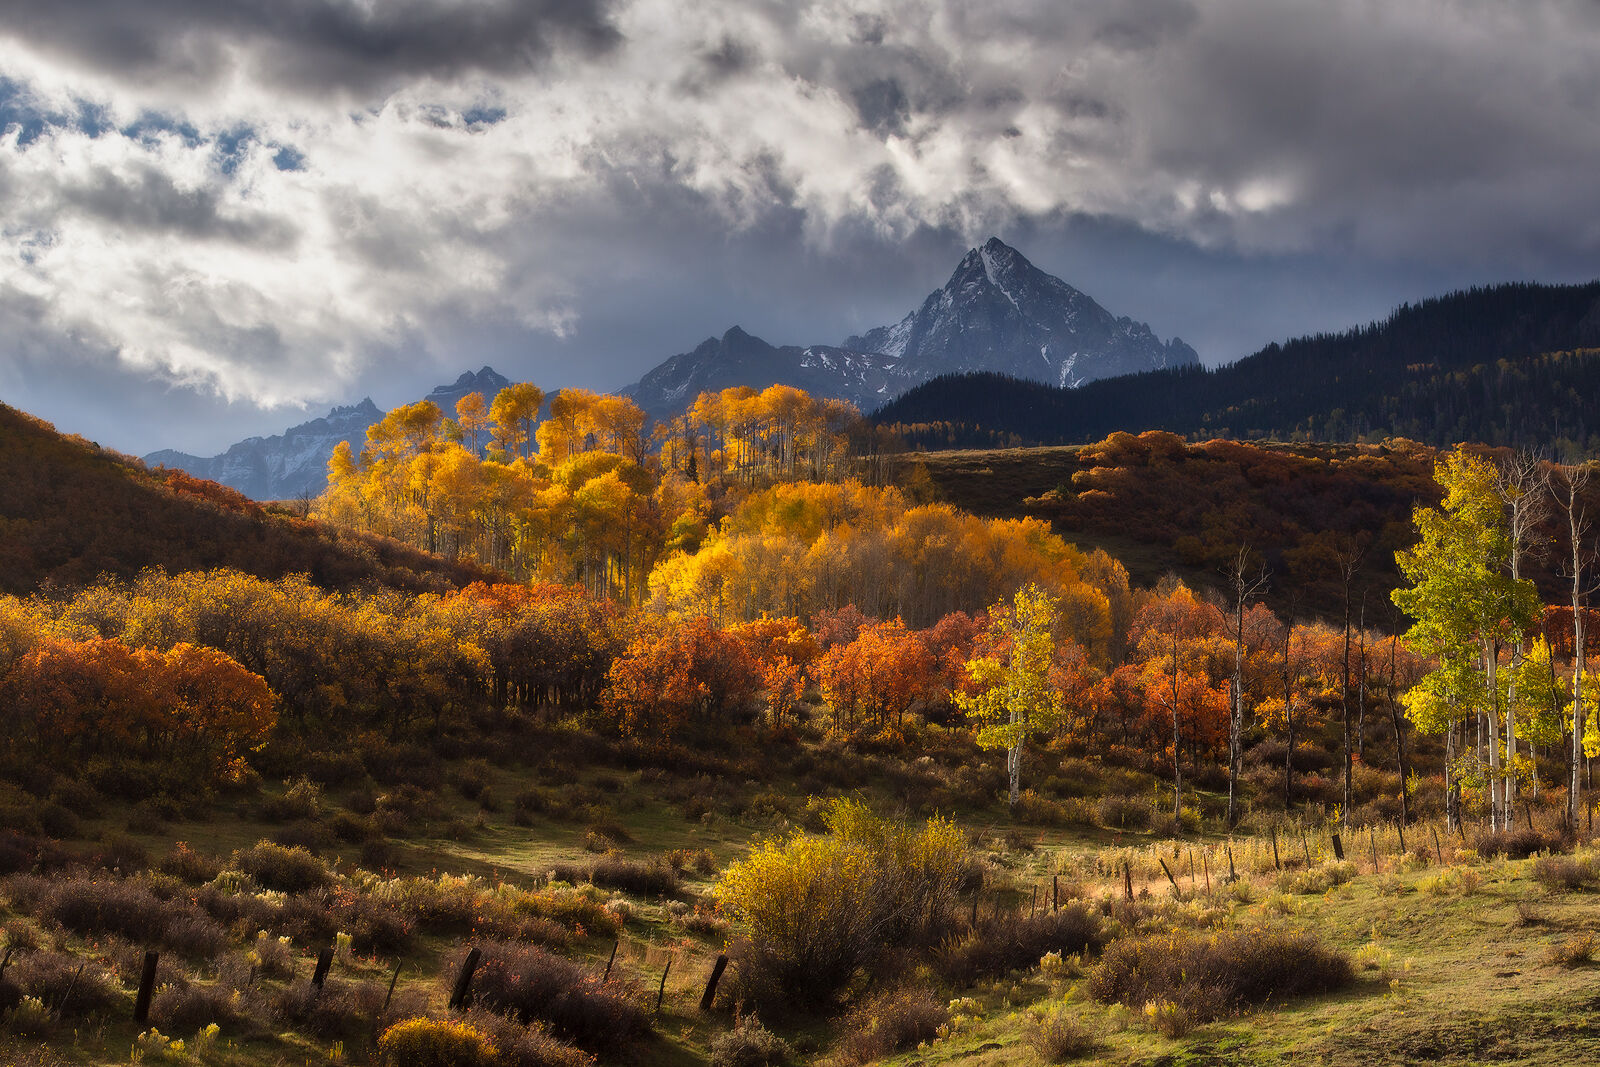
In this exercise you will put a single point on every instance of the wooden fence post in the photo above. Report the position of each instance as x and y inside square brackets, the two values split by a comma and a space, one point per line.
[324, 961]
[1166, 870]
[607, 976]
[1127, 877]
[1276, 863]
[709, 996]
[1055, 892]
[147, 986]
[392, 980]
[1338, 847]
[61, 1005]
[462, 990]
[661, 990]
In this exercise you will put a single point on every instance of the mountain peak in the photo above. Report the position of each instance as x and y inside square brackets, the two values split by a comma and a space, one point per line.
[994, 262]
[364, 406]
[999, 312]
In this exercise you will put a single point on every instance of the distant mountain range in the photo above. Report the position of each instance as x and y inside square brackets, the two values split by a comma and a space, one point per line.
[1512, 365]
[294, 463]
[998, 313]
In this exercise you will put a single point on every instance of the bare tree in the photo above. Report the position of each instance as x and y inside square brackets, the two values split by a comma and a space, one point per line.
[1567, 487]
[1246, 579]
[1349, 566]
[1523, 483]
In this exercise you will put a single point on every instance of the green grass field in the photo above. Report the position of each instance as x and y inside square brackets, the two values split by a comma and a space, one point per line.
[1454, 963]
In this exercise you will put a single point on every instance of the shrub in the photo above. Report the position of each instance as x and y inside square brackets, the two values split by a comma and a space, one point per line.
[1452, 881]
[56, 820]
[302, 800]
[436, 1043]
[1169, 1019]
[1057, 1037]
[184, 1008]
[273, 956]
[700, 860]
[353, 829]
[123, 907]
[749, 1044]
[891, 1022]
[189, 865]
[1317, 879]
[1519, 844]
[342, 1011]
[17, 852]
[646, 878]
[1000, 946]
[30, 1018]
[119, 852]
[1123, 813]
[1213, 975]
[291, 869]
[1557, 873]
[573, 909]
[527, 1046]
[610, 830]
[1575, 951]
[528, 983]
[52, 976]
[470, 778]
[820, 908]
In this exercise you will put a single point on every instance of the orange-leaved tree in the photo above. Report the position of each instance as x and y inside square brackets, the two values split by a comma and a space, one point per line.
[876, 677]
[690, 676]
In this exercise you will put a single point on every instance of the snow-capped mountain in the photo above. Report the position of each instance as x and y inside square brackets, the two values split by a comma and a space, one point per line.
[998, 312]
[866, 379]
[294, 463]
[285, 466]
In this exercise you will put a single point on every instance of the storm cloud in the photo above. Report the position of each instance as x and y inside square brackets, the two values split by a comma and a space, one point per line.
[290, 203]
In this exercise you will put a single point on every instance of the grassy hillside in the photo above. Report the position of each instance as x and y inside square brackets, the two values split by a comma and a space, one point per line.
[1456, 955]
[71, 511]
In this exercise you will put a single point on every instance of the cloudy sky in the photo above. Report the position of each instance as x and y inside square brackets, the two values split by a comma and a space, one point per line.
[217, 217]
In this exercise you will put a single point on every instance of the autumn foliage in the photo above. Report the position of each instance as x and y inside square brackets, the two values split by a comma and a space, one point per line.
[76, 702]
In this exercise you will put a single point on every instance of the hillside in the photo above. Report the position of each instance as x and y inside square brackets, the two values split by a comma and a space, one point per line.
[1512, 366]
[1162, 505]
[71, 511]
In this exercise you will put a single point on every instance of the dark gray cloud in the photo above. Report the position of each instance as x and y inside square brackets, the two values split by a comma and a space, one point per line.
[267, 205]
[149, 200]
[312, 46]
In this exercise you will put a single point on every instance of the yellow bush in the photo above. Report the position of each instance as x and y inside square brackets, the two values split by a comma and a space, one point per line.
[435, 1043]
[820, 907]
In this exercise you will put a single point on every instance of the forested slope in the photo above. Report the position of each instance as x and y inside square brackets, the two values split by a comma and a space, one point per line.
[1514, 365]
